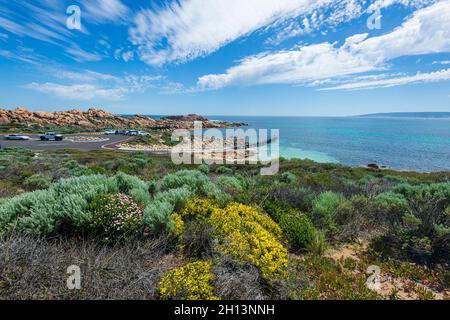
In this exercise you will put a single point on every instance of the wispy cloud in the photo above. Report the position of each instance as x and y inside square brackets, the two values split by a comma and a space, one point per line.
[427, 31]
[87, 84]
[444, 62]
[196, 28]
[82, 92]
[442, 75]
[101, 11]
[81, 55]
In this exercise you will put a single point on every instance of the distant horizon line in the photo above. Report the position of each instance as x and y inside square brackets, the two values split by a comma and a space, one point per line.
[394, 114]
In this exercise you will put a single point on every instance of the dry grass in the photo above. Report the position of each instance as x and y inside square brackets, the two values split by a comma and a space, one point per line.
[35, 268]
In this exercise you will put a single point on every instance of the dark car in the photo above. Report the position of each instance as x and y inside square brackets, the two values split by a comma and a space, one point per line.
[51, 136]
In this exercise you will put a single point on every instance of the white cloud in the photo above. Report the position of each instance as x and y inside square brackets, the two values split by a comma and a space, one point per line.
[196, 28]
[127, 56]
[441, 75]
[427, 31]
[380, 4]
[83, 76]
[81, 55]
[87, 84]
[78, 91]
[444, 62]
[100, 11]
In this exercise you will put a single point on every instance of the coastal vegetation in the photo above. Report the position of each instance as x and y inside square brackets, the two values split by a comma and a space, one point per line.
[142, 228]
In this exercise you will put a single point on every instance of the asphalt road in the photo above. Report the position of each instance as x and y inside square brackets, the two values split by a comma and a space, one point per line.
[36, 144]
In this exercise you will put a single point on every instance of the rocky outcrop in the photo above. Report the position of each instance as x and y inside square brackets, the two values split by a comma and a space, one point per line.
[99, 119]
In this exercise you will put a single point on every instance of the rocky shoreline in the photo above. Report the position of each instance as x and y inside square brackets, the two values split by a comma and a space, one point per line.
[95, 119]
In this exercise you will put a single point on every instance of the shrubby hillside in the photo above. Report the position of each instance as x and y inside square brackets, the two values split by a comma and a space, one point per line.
[141, 228]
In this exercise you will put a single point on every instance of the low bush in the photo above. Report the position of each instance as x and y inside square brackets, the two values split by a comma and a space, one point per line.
[114, 217]
[223, 170]
[288, 177]
[141, 197]
[324, 209]
[63, 204]
[296, 226]
[249, 235]
[36, 182]
[190, 282]
[203, 168]
[228, 184]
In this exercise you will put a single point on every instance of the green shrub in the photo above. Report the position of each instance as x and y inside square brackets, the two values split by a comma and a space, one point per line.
[203, 168]
[195, 181]
[152, 187]
[390, 208]
[36, 182]
[298, 228]
[229, 184]
[176, 197]
[141, 197]
[157, 217]
[63, 204]
[325, 207]
[125, 183]
[224, 170]
[72, 169]
[318, 244]
[288, 177]
[114, 217]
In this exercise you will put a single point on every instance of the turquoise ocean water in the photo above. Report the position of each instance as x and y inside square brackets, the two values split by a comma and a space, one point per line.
[418, 144]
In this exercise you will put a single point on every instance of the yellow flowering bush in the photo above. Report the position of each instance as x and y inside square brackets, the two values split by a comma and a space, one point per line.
[179, 225]
[247, 234]
[198, 208]
[190, 282]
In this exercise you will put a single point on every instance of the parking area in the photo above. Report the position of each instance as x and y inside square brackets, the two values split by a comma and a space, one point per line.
[76, 141]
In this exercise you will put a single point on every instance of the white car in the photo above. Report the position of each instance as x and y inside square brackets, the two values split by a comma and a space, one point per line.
[143, 133]
[17, 137]
[109, 132]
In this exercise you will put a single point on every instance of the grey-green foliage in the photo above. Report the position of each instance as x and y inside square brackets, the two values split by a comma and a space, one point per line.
[288, 177]
[194, 180]
[157, 215]
[227, 183]
[203, 168]
[174, 190]
[72, 169]
[36, 182]
[428, 204]
[141, 197]
[125, 183]
[325, 207]
[42, 211]
[390, 208]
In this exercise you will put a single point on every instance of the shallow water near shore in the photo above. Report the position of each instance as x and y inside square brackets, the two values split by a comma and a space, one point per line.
[398, 143]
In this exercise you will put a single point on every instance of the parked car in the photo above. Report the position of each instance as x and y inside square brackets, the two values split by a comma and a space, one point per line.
[133, 133]
[51, 136]
[109, 132]
[143, 133]
[17, 137]
[122, 132]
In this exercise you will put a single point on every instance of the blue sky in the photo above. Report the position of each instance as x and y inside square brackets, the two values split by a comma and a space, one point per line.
[227, 57]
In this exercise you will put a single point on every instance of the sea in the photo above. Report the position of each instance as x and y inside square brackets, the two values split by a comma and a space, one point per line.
[410, 144]
[401, 143]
